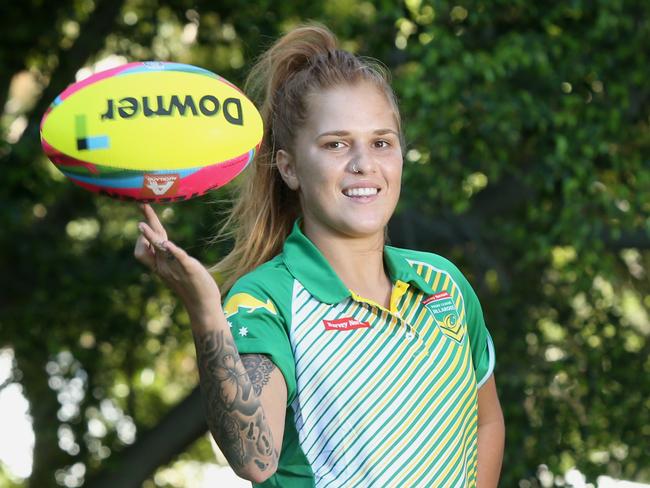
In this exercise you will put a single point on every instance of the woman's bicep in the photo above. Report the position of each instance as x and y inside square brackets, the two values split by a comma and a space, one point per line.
[270, 387]
[489, 408]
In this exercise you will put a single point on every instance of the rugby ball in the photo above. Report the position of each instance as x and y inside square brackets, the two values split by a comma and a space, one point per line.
[151, 131]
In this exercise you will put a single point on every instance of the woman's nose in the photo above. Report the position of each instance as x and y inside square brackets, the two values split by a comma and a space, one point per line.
[361, 163]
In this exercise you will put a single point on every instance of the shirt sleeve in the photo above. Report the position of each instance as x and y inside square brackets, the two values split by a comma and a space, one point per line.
[258, 324]
[483, 355]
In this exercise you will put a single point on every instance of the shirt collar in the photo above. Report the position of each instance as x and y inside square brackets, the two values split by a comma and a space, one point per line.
[308, 265]
[399, 268]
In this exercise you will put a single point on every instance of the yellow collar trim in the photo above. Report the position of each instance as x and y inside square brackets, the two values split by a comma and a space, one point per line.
[398, 291]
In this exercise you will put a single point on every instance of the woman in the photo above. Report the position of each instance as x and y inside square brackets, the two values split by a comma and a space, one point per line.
[335, 361]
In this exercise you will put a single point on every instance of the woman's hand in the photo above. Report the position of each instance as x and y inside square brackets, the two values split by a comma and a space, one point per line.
[185, 275]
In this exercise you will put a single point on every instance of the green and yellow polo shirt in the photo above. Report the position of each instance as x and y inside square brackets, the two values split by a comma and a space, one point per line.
[376, 397]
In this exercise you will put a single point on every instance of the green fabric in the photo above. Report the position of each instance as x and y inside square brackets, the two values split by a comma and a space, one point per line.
[293, 470]
[271, 281]
[399, 269]
[268, 334]
[308, 265]
[261, 323]
[303, 260]
[478, 332]
[479, 336]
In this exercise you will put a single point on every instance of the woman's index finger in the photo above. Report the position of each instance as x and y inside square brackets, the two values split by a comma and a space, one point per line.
[152, 219]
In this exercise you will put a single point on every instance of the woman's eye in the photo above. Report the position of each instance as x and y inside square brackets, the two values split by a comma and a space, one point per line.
[334, 145]
[381, 143]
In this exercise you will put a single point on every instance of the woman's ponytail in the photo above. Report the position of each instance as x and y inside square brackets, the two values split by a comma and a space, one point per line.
[302, 61]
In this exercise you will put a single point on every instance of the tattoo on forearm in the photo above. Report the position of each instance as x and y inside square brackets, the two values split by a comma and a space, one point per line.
[259, 370]
[230, 388]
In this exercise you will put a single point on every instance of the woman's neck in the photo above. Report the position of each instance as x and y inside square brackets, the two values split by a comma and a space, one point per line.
[358, 262]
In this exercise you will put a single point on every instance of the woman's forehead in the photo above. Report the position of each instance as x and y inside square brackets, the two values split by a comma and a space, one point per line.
[351, 107]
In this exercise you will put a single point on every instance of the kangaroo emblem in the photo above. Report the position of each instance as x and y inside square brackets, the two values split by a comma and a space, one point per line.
[247, 302]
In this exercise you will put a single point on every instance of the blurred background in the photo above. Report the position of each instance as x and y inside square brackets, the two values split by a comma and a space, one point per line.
[527, 163]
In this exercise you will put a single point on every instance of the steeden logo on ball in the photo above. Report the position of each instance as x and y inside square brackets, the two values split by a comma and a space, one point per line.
[159, 185]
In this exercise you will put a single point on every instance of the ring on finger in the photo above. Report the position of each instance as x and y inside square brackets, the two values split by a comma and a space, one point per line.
[160, 245]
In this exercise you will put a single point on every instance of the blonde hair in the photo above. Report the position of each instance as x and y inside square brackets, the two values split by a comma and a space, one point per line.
[304, 60]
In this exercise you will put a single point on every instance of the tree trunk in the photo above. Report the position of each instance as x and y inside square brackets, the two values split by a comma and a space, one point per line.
[177, 430]
[43, 410]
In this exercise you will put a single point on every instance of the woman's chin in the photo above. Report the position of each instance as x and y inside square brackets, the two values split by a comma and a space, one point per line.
[364, 227]
[349, 224]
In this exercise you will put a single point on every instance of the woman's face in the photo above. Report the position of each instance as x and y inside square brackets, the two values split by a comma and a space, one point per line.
[346, 162]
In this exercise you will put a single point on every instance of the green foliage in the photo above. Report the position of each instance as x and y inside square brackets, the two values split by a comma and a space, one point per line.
[527, 163]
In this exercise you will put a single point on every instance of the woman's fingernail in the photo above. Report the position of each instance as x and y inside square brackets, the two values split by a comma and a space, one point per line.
[141, 227]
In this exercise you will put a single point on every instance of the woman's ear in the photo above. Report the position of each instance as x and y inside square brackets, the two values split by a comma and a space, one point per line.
[287, 167]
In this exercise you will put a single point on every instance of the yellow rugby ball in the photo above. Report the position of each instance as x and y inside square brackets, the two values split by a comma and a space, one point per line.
[151, 131]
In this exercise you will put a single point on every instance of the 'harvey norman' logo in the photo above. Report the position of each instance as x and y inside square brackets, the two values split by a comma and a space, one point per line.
[346, 323]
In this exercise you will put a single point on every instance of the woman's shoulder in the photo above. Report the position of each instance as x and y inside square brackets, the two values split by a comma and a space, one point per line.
[271, 279]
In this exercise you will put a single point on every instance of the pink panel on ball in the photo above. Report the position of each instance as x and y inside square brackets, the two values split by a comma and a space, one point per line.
[214, 176]
[75, 87]
[193, 185]
[94, 78]
[60, 159]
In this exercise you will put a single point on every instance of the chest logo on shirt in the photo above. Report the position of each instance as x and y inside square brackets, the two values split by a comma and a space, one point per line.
[247, 302]
[346, 323]
[441, 305]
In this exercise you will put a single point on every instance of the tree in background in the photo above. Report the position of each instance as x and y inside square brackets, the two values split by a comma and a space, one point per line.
[527, 163]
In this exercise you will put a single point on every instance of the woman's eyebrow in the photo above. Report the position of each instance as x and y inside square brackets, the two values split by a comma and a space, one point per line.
[340, 133]
[343, 133]
[381, 132]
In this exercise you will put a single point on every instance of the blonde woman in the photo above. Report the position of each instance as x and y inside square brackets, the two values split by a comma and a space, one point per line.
[335, 360]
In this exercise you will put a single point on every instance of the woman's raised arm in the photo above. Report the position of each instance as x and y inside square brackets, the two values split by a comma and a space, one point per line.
[244, 397]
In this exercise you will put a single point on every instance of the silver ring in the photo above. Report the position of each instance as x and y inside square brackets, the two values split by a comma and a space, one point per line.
[167, 254]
